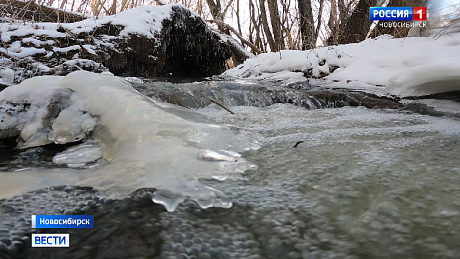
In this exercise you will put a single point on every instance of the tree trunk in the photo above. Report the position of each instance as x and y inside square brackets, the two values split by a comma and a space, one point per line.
[307, 29]
[238, 17]
[344, 12]
[113, 9]
[63, 4]
[268, 34]
[358, 25]
[276, 25]
[320, 16]
[333, 24]
[256, 24]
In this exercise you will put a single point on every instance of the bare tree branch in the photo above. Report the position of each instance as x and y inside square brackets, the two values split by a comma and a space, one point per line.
[266, 28]
[252, 46]
[221, 105]
[226, 8]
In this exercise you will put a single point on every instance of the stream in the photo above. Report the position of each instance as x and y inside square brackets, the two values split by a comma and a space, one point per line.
[288, 175]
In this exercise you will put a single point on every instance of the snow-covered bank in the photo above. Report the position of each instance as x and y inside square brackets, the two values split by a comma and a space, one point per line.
[141, 20]
[142, 139]
[407, 66]
[146, 41]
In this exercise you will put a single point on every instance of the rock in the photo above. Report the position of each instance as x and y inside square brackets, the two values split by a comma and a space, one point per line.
[167, 41]
[135, 215]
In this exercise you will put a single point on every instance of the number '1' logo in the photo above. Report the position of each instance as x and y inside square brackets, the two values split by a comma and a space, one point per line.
[419, 14]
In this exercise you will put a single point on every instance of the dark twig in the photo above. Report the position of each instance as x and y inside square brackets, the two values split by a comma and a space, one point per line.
[296, 144]
[221, 105]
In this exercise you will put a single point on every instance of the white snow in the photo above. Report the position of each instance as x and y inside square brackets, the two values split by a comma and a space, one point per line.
[23, 52]
[234, 42]
[36, 42]
[20, 29]
[7, 75]
[87, 47]
[405, 66]
[145, 20]
[74, 47]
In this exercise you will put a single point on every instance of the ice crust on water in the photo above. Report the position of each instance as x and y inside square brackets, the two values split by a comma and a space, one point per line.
[147, 144]
[71, 125]
[79, 156]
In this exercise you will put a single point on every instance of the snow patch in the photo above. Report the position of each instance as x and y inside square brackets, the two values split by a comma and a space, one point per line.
[406, 66]
[144, 20]
[7, 75]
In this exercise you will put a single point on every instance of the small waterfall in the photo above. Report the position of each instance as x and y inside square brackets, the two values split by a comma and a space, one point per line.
[238, 93]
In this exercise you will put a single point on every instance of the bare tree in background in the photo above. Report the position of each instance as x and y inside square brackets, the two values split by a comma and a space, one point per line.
[276, 25]
[307, 29]
[340, 11]
[216, 11]
[263, 25]
[358, 25]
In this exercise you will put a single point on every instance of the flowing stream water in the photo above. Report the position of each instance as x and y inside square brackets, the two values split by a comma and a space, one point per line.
[310, 181]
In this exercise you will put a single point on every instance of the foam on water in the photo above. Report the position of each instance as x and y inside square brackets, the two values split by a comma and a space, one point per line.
[147, 143]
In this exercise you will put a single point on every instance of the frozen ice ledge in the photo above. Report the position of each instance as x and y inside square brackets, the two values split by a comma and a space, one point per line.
[144, 143]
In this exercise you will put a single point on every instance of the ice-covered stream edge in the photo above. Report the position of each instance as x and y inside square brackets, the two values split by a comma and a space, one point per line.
[142, 139]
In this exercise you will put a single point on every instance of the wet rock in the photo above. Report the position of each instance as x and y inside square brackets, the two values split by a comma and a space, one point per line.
[135, 214]
[437, 247]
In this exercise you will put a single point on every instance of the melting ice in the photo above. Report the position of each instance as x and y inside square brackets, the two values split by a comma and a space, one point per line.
[146, 143]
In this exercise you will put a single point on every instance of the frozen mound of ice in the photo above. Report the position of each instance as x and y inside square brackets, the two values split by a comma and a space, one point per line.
[146, 143]
[31, 107]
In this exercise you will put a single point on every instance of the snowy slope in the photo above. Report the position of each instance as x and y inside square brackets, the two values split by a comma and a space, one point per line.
[28, 41]
[407, 66]
[146, 41]
[145, 20]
